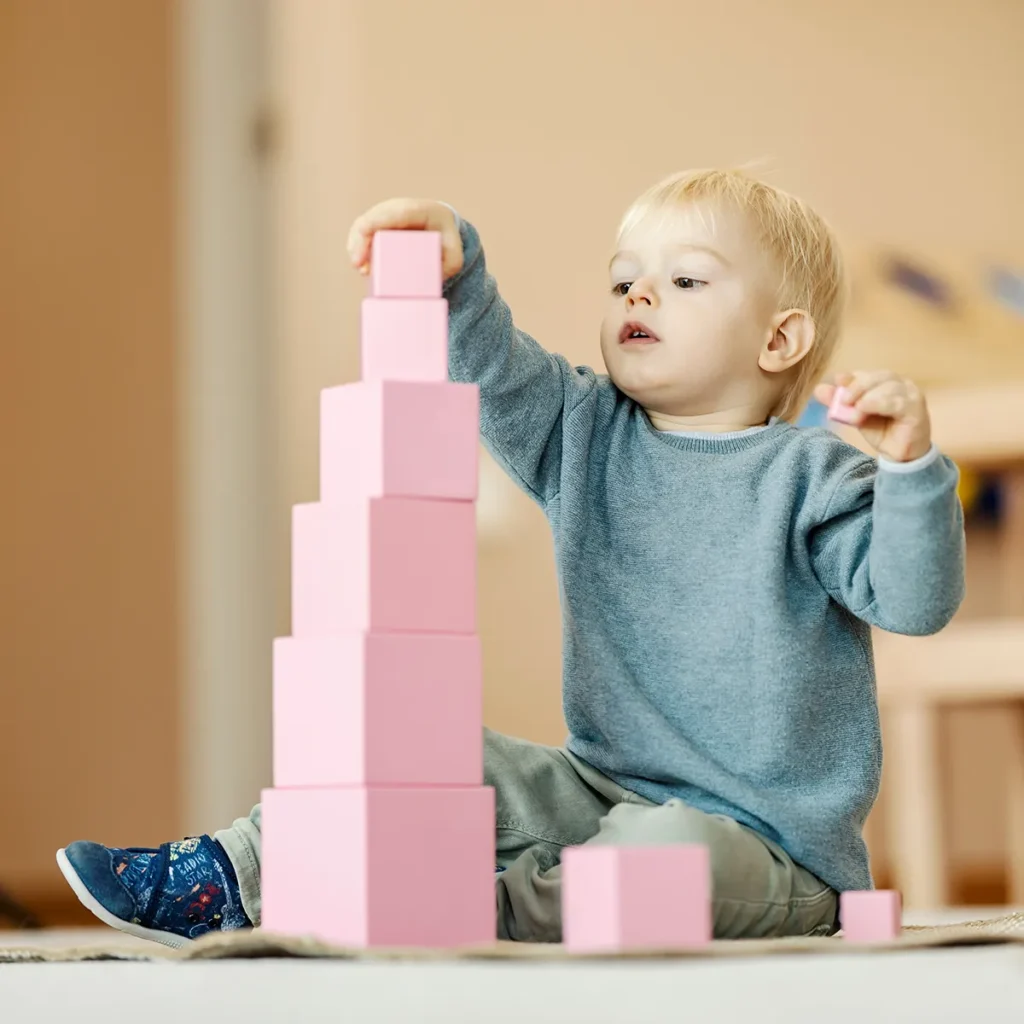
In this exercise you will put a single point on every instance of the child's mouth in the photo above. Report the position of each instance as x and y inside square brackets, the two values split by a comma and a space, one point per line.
[636, 333]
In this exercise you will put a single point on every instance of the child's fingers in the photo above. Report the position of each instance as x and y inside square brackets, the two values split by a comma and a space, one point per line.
[394, 214]
[863, 381]
[888, 399]
[406, 215]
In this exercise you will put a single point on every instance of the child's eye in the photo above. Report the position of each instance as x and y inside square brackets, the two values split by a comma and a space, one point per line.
[687, 282]
[622, 289]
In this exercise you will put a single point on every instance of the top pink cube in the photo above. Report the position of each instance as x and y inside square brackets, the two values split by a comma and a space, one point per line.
[406, 265]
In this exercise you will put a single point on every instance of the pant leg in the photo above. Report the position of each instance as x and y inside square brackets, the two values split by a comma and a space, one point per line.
[758, 890]
[542, 804]
[242, 842]
[548, 799]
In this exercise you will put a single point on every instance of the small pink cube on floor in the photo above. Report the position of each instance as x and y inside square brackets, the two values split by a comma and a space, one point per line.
[406, 265]
[380, 866]
[872, 916]
[412, 439]
[636, 897]
[841, 412]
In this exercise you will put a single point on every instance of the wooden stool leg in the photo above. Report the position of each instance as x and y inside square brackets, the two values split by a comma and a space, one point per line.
[1015, 812]
[1011, 551]
[913, 801]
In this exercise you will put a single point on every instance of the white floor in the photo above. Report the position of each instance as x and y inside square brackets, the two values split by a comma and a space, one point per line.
[931, 987]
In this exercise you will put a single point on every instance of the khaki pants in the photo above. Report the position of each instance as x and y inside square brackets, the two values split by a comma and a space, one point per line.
[548, 799]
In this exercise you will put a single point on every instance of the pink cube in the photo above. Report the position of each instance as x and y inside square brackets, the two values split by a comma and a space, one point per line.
[399, 439]
[633, 897]
[405, 339]
[406, 264]
[872, 916]
[403, 565]
[393, 866]
[378, 709]
[840, 411]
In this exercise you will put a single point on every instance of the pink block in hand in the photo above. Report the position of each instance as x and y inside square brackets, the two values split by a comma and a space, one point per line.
[399, 439]
[381, 866]
[378, 709]
[384, 565]
[633, 897]
[405, 339]
[840, 411]
[406, 265]
[872, 916]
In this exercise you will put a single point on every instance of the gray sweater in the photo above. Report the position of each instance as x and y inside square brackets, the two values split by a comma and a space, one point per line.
[717, 592]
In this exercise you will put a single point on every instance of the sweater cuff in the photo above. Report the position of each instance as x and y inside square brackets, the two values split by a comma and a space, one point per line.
[890, 466]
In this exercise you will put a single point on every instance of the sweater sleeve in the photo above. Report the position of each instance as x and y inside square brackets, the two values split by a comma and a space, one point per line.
[890, 548]
[525, 391]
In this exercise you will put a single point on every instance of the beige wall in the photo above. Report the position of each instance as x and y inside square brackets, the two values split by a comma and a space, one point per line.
[89, 719]
[541, 120]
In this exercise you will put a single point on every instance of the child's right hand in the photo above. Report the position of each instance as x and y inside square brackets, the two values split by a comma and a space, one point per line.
[407, 215]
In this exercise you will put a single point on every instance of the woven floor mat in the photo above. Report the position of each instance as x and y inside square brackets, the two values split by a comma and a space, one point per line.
[258, 944]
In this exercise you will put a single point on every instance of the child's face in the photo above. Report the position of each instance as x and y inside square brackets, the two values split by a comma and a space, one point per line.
[694, 280]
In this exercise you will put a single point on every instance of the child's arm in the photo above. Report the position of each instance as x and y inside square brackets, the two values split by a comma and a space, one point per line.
[524, 390]
[890, 547]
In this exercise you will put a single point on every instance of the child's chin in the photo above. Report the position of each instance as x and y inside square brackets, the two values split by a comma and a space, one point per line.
[643, 392]
[641, 382]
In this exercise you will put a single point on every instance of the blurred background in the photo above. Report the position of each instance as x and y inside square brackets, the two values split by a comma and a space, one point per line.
[176, 183]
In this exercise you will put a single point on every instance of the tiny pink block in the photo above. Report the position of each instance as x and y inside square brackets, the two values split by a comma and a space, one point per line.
[399, 439]
[871, 916]
[636, 897]
[841, 412]
[403, 565]
[406, 265]
[378, 709]
[405, 339]
[394, 866]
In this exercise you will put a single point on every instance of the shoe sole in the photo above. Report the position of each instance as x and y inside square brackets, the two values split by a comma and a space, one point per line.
[96, 908]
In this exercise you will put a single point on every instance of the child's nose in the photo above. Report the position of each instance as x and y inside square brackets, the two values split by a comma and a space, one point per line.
[641, 293]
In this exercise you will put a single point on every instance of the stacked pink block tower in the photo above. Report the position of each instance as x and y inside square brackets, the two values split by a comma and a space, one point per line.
[378, 726]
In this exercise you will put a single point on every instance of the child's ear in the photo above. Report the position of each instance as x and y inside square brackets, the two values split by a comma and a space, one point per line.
[791, 339]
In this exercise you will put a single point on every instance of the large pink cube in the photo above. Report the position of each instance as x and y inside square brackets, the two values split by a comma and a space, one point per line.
[390, 866]
[378, 709]
[406, 264]
[405, 339]
[399, 438]
[871, 916]
[636, 897]
[384, 565]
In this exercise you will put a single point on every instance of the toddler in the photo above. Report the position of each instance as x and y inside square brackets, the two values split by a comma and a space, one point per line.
[720, 571]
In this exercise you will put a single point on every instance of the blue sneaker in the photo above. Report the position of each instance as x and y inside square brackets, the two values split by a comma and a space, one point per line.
[171, 895]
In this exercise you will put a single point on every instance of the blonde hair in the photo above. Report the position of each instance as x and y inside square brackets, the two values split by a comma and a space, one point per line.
[812, 274]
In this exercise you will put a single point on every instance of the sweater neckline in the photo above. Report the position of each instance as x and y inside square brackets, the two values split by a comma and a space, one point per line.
[717, 444]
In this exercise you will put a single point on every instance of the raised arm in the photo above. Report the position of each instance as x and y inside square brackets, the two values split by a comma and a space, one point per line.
[525, 391]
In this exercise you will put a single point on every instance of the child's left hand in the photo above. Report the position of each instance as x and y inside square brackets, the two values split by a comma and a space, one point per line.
[892, 412]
